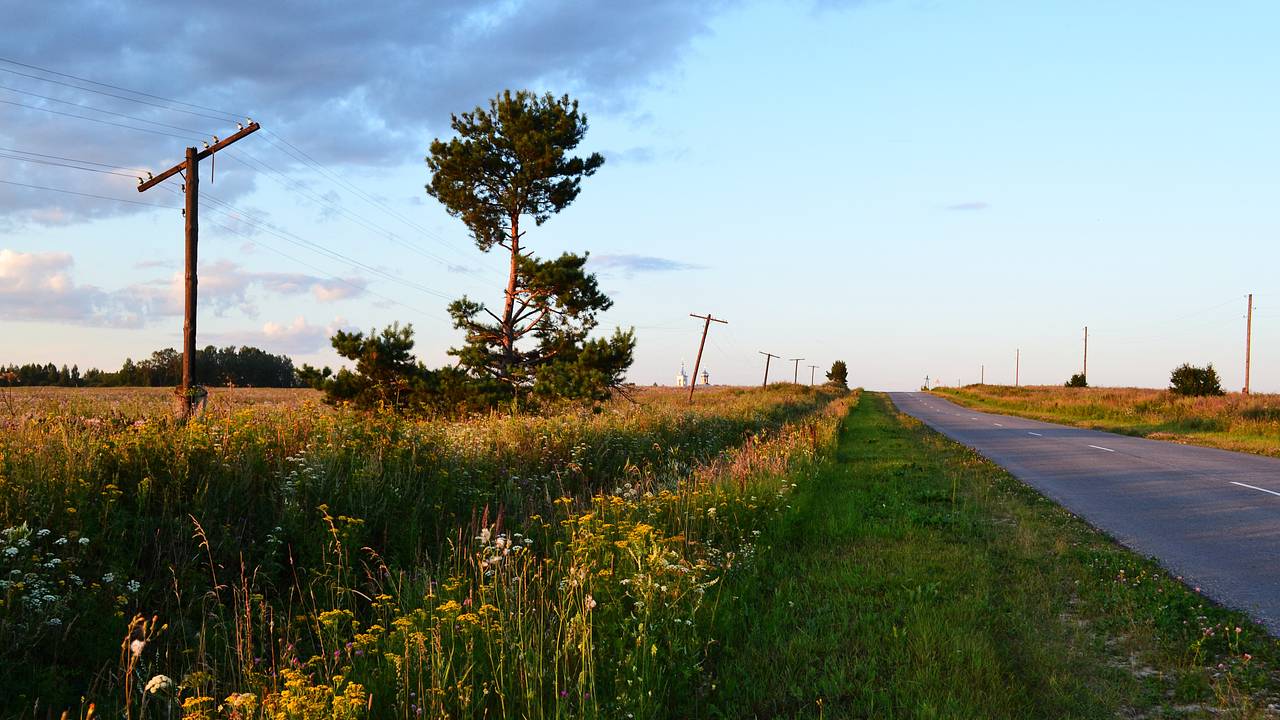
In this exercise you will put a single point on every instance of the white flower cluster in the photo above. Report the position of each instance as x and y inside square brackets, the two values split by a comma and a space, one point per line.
[495, 549]
[38, 571]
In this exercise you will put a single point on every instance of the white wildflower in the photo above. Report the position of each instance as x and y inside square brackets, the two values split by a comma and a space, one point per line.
[590, 602]
[11, 551]
[137, 646]
[159, 684]
[43, 532]
[60, 541]
[84, 541]
[484, 536]
[108, 578]
[133, 586]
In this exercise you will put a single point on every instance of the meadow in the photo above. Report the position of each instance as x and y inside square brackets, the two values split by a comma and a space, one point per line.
[1245, 423]
[279, 558]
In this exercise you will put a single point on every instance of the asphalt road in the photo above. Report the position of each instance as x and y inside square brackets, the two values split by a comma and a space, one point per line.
[1211, 516]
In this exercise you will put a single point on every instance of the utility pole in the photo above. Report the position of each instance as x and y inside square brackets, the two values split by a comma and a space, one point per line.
[698, 362]
[1017, 365]
[191, 399]
[796, 378]
[982, 376]
[812, 369]
[1085, 371]
[1248, 344]
[767, 358]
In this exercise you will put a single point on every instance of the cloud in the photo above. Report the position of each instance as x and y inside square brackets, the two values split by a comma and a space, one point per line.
[632, 264]
[361, 84]
[969, 206]
[39, 286]
[297, 337]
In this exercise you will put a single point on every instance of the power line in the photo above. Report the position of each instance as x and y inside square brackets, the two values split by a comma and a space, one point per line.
[66, 165]
[293, 151]
[232, 116]
[97, 120]
[89, 195]
[106, 112]
[75, 160]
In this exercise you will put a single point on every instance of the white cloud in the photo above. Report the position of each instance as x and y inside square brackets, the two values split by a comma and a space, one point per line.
[39, 286]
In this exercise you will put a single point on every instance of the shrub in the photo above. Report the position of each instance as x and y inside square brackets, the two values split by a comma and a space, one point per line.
[1077, 380]
[1188, 379]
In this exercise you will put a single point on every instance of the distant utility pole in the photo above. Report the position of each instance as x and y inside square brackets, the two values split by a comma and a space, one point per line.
[190, 168]
[767, 358]
[1085, 373]
[812, 369]
[1248, 344]
[698, 362]
[1017, 365]
[982, 376]
[796, 379]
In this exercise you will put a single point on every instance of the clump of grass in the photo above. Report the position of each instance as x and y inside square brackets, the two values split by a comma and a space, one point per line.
[299, 560]
[1247, 423]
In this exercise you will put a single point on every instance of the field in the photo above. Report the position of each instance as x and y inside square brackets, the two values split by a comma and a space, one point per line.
[280, 558]
[1246, 423]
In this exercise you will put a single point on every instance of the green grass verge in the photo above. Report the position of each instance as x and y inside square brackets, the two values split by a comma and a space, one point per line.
[915, 579]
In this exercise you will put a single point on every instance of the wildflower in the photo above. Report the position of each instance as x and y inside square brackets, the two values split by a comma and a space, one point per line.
[137, 646]
[159, 684]
[1247, 657]
[108, 578]
[484, 536]
[60, 541]
[133, 586]
[11, 551]
[43, 532]
[590, 602]
[54, 622]
[84, 541]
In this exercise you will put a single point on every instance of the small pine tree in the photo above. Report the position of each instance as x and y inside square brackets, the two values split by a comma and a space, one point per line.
[1187, 379]
[839, 374]
[1077, 380]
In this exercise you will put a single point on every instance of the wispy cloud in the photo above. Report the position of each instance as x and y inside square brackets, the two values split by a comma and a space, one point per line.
[969, 206]
[631, 264]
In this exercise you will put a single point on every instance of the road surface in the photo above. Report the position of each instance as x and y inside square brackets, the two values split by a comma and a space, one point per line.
[1211, 516]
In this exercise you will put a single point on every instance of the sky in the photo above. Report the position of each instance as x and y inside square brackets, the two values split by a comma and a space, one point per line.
[918, 188]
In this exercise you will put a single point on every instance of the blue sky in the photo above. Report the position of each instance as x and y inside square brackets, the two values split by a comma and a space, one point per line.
[918, 188]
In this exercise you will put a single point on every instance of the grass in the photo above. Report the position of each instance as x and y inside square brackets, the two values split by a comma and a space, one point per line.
[1245, 423]
[914, 579]
[283, 559]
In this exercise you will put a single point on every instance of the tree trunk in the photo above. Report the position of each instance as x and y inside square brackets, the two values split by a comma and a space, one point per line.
[508, 313]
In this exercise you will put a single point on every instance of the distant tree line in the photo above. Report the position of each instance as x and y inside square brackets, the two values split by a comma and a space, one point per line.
[229, 366]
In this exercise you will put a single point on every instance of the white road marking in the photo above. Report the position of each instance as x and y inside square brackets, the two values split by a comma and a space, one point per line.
[1099, 447]
[1036, 434]
[997, 424]
[1273, 492]
[972, 417]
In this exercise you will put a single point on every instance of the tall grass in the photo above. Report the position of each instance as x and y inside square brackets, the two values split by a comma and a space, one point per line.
[288, 560]
[1248, 423]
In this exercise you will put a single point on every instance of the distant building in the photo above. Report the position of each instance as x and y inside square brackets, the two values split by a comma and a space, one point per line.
[682, 380]
[706, 378]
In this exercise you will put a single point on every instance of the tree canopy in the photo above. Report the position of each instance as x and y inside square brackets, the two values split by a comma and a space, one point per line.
[511, 162]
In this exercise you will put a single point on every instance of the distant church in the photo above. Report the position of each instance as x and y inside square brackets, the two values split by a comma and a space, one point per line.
[682, 379]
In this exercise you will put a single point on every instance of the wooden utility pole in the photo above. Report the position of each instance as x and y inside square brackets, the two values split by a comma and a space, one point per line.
[1017, 365]
[1248, 344]
[1085, 371]
[813, 369]
[982, 375]
[796, 378]
[767, 358]
[190, 397]
[696, 363]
